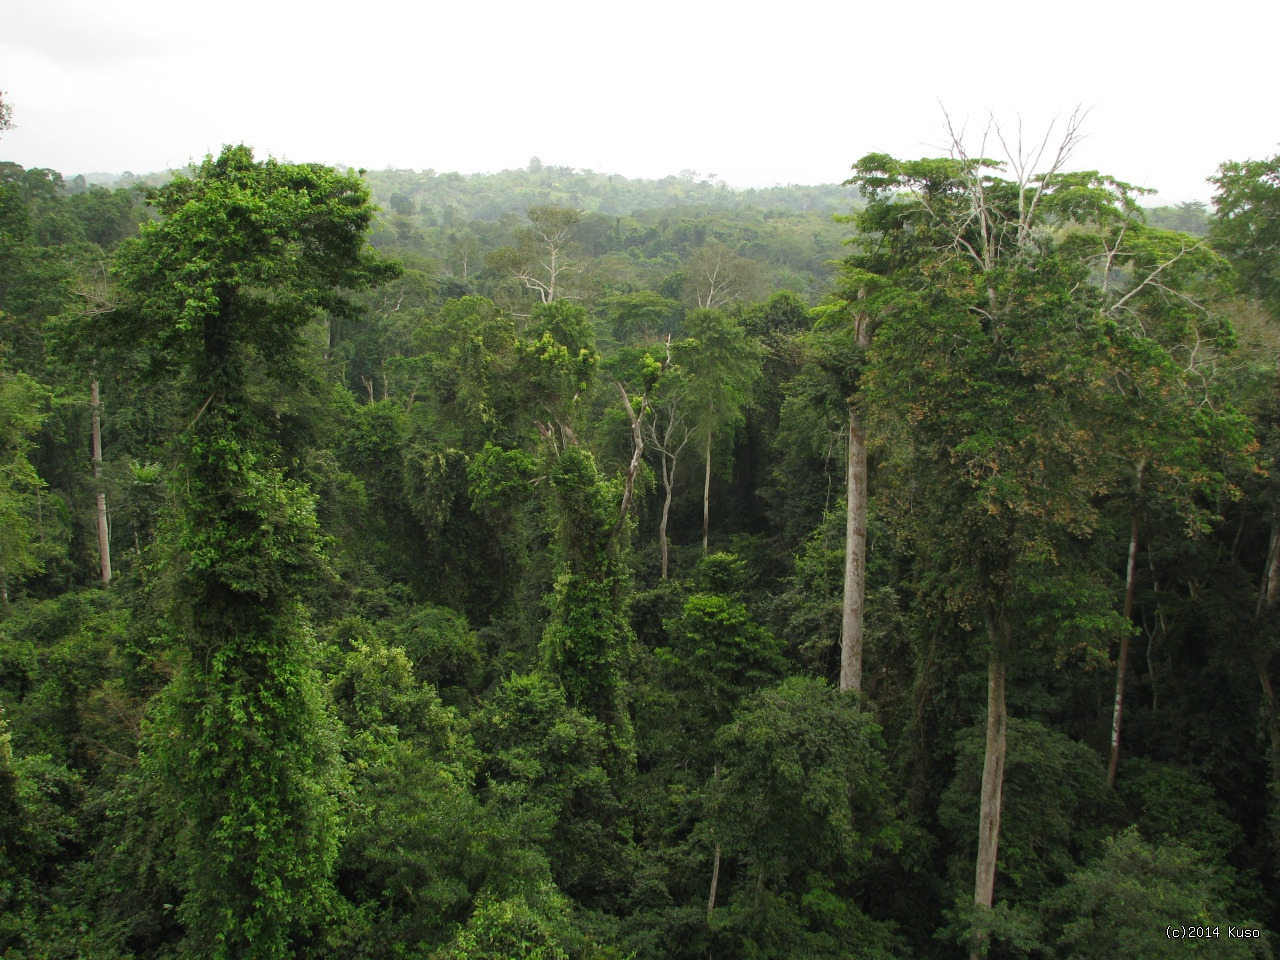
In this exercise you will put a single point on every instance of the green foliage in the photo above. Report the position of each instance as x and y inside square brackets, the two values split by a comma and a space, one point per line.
[444, 650]
[638, 318]
[1245, 228]
[718, 654]
[1125, 902]
[559, 362]
[544, 774]
[416, 843]
[514, 929]
[250, 758]
[804, 784]
[1055, 810]
[22, 410]
[38, 832]
[62, 662]
[247, 254]
[817, 924]
[1171, 804]
[266, 241]
[587, 638]
[722, 365]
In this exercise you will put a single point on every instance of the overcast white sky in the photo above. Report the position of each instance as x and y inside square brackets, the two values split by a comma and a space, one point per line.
[773, 93]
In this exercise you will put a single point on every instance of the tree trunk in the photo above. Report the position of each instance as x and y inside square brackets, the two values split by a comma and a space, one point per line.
[706, 491]
[1266, 602]
[855, 557]
[855, 548]
[637, 453]
[668, 486]
[1122, 667]
[992, 775]
[715, 862]
[104, 540]
[715, 882]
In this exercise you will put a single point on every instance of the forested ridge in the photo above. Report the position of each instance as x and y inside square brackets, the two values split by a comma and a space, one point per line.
[548, 564]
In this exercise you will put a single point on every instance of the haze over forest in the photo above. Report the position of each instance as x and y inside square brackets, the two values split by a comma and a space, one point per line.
[556, 563]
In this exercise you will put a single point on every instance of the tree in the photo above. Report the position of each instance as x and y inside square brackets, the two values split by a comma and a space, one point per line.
[804, 770]
[722, 365]
[988, 356]
[635, 318]
[539, 259]
[1246, 229]
[6, 113]
[1124, 903]
[22, 403]
[1163, 412]
[717, 276]
[839, 343]
[669, 430]
[246, 255]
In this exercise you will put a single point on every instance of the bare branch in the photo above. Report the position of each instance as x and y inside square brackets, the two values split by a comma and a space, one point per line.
[1151, 278]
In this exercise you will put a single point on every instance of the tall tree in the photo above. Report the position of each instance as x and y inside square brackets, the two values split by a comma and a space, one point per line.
[670, 429]
[989, 357]
[22, 410]
[246, 255]
[839, 345]
[722, 364]
[1167, 421]
[1247, 230]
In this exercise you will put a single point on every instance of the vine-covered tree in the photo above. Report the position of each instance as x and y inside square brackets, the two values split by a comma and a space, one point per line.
[247, 255]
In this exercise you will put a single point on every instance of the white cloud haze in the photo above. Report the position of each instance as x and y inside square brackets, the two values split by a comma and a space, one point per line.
[789, 93]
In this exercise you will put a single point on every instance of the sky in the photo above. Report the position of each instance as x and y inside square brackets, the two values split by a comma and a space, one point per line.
[775, 93]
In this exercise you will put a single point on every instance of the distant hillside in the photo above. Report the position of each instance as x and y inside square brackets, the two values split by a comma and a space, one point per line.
[445, 199]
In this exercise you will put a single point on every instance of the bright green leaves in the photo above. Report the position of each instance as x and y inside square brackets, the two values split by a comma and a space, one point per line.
[247, 759]
[246, 254]
[560, 361]
[1247, 229]
[802, 760]
[252, 531]
[261, 246]
[22, 410]
[718, 654]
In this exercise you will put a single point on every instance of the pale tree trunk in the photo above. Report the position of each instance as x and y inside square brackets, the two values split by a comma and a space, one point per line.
[1122, 666]
[104, 540]
[992, 775]
[668, 435]
[715, 882]
[637, 452]
[853, 608]
[855, 558]
[715, 862]
[668, 487]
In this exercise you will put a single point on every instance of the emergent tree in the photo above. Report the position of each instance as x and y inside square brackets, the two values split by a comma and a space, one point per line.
[246, 255]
